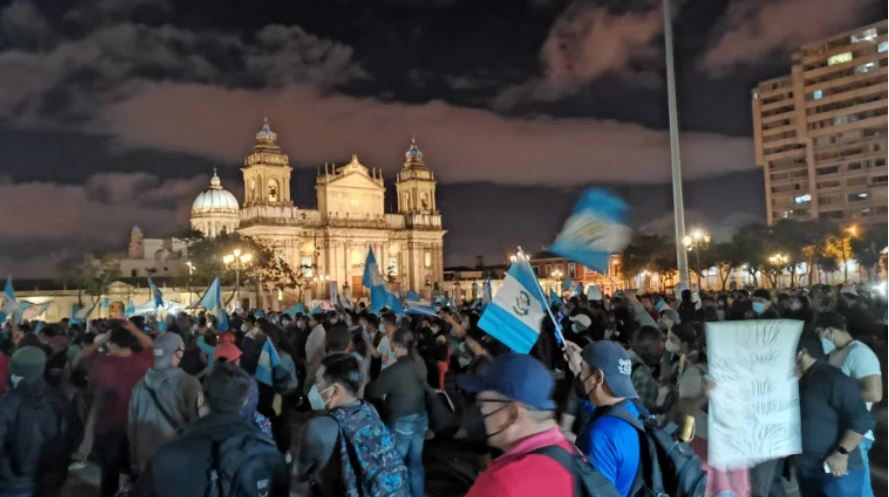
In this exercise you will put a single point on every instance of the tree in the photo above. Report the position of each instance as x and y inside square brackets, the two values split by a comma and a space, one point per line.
[648, 253]
[837, 248]
[867, 248]
[750, 241]
[726, 257]
[90, 274]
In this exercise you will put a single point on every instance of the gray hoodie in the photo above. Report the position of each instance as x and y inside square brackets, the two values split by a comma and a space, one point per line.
[149, 424]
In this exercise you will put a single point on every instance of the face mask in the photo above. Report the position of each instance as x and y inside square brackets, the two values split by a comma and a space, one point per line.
[796, 305]
[316, 400]
[576, 328]
[671, 346]
[759, 307]
[827, 345]
[244, 327]
[435, 328]
[489, 436]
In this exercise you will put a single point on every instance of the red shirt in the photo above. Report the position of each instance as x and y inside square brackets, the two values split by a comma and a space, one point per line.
[115, 378]
[519, 474]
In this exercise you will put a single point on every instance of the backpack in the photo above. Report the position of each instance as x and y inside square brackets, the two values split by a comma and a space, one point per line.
[587, 481]
[371, 465]
[238, 465]
[667, 467]
[39, 431]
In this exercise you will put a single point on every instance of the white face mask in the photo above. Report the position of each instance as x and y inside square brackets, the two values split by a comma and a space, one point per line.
[316, 400]
[244, 327]
[670, 346]
[435, 328]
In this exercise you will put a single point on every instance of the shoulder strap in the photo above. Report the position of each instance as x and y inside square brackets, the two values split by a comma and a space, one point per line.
[161, 408]
[587, 481]
[564, 459]
[215, 487]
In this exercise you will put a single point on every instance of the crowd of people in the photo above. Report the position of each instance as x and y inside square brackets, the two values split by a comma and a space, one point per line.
[348, 402]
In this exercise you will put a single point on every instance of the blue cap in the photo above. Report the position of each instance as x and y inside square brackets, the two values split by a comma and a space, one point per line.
[615, 363]
[519, 377]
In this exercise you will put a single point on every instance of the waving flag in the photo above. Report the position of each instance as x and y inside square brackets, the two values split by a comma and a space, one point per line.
[372, 276]
[393, 301]
[130, 308]
[212, 302]
[106, 304]
[295, 309]
[412, 296]
[155, 293]
[578, 290]
[32, 311]
[423, 310]
[596, 229]
[566, 284]
[516, 312]
[553, 297]
[83, 314]
[8, 297]
[268, 359]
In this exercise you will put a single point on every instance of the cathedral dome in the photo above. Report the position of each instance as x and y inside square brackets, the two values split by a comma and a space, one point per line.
[215, 199]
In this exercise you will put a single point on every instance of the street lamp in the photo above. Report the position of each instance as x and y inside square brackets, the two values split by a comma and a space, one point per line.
[239, 260]
[191, 268]
[697, 241]
[853, 233]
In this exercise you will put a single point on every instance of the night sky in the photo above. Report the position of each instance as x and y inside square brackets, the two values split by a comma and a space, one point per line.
[113, 112]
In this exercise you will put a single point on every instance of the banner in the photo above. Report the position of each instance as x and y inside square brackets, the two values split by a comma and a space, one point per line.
[754, 413]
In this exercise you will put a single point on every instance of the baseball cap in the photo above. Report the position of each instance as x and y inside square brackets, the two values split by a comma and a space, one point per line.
[227, 337]
[615, 363]
[519, 377]
[582, 320]
[228, 351]
[165, 347]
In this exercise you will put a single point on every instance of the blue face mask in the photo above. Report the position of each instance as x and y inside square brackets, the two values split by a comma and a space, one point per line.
[759, 307]
[827, 345]
[316, 400]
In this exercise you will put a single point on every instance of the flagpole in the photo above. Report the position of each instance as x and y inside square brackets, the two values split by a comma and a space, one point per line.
[558, 328]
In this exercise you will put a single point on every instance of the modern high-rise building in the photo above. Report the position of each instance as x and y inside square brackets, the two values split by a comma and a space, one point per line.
[820, 132]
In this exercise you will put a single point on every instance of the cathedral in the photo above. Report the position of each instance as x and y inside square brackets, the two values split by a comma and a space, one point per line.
[330, 243]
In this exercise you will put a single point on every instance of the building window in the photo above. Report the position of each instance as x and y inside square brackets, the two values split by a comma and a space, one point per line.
[273, 190]
[817, 94]
[857, 197]
[802, 199]
[572, 270]
[839, 58]
[755, 93]
[427, 259]
[865, 68]
[878, 179]
[831, 215]
[838, 120]
[821, 171]
[306, 266]
[869, 34]
[883, 46]
[392, 268]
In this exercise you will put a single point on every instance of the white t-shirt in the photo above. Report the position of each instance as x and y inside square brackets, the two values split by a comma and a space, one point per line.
[691, 386]
[858, 361]
[387, 355]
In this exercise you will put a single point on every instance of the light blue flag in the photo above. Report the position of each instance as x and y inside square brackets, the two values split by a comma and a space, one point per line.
[8, 306]
[661, 305]
[295, 309]
[32, 311]
[106, 303]
[596, 229]
[156, 293]
[372, 276]
[553, 297]
[412, 296]
[268, 359]
[393, 302]
[566, 284]
[515, 314]
[378, 298]
[578, 290]
[212, 302]
[487, 293]
[130, 308]
[423, 310]
[83, 314]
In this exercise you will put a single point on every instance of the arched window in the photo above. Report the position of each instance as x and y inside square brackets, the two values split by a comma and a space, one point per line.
[424, 201]
[273, 190]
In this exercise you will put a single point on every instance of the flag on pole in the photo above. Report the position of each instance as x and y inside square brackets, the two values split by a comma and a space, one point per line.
[106, 304]
[393, 301]
[554, 297]
[578, 290]
[32, 311]
[268, 359]
[421, 309]
[130, 308]
[596, 229]
[372, 276]
[566, 284]
[212, 302]
[155, 293]
[515, 314]
[8, 297]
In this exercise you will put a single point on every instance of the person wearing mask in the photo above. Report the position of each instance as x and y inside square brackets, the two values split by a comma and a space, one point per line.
[858, 361]
[687, 309]
[515, 399]
[130, 355]
[612, 444]
[38, 431]
[164, 402]
[645, 354]
[833, 421]
[350, 426]
[384, 350]
[402, 390]
[761, 305]
[218, 445]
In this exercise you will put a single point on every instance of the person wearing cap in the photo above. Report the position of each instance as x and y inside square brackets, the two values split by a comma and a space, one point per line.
[858, 361]
[604, 369]
[515, 399]
[164, 401]
[229, 353]
[37, 430]
[833, 422]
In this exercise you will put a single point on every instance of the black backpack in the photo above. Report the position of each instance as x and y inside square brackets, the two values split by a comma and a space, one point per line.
[587, 481]
[239, 466]
[667, 467]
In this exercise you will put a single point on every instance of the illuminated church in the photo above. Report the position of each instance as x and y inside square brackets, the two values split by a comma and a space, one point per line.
[330, 243]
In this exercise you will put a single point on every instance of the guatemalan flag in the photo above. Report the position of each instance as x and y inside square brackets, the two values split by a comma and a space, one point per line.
[9, 306]
[596, 229]
[212, 302]
[515, 314]
[156, 293]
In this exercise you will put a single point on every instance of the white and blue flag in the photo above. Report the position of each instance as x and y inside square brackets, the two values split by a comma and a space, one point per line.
[298, 308]
[412, 296]
[130, 308]
[212, 302]
[553, 297]
[372, 276]
[515, 314]
[155, 293]
[421, 309]
[9, 306]
[596, 229]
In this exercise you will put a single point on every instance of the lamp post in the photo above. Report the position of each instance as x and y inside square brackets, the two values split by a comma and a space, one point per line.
[697, 241]
[853, 232]
[239, 260]
[191, 268]
[556, 275]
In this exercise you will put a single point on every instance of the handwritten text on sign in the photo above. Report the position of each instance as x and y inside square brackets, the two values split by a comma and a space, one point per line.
[754, 408]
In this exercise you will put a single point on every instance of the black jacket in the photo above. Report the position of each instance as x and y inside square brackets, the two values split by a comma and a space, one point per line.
[38, 433]
[182, 468]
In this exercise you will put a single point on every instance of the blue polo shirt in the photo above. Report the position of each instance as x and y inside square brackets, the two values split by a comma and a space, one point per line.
[612, 446]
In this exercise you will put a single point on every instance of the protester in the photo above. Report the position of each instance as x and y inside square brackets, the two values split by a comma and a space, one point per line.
[230, 353]
[350, 426]
[402, 390]
[219, 450]
[163, 403]
[857, 360]
[38, 430]
[130, 355]
[645, 354]
[834, 419]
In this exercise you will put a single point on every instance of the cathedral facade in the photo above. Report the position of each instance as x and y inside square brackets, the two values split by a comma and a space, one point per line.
[330, 243]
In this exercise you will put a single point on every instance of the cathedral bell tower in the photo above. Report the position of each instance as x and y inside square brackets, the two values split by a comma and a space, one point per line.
[415, 184]
[266, 171]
